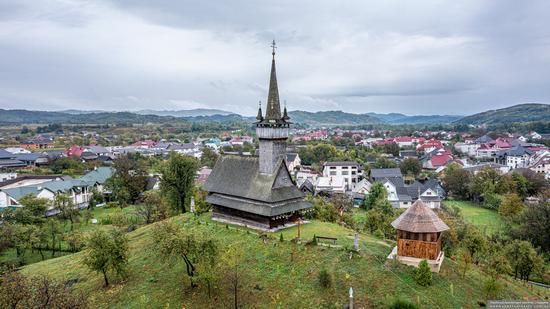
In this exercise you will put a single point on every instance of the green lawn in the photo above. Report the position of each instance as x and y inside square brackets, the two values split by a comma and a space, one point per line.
[279, 274]
[486, 220]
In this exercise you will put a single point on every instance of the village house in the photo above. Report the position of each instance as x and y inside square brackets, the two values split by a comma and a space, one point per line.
[474, 169]
[38, 142]
[360, 191]
[17, 150]
[241, 140]
[8, 161]
[436, 159]
[306, 186]
[350, 171]
[401, 195]
[6, 177]
[515, 157]
[328, 185]
[489, 150]
[306, 173]
[467, 148]
[541, 164]
[429, 145]
[293, 161]
[79, 190]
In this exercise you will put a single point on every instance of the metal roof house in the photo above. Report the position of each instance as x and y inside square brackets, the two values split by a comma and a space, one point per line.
[258, 191]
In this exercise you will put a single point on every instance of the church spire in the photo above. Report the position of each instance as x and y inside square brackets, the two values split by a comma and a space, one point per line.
[273, 111]
[259, 117]
[285, 114]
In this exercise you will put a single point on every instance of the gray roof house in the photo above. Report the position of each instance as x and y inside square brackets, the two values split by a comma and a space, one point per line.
[378, 174]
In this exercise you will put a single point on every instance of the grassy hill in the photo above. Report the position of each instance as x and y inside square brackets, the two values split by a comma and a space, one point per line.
[516, 113]
[280, 274]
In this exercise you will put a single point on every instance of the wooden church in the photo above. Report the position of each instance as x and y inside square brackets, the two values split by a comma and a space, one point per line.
[258, 191]
[419, 231]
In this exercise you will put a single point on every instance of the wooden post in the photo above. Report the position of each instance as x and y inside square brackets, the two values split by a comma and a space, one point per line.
[350, 298]
[299, 221]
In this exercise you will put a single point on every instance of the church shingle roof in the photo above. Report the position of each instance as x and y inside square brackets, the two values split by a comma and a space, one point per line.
[240, 176]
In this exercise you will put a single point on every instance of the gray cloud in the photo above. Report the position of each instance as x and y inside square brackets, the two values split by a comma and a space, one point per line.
[393, 56]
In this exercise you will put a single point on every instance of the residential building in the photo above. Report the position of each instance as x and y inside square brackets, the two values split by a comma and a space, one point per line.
[350, 171]
[293, 161]
[38, 142]
[328, 185]
[515, 157]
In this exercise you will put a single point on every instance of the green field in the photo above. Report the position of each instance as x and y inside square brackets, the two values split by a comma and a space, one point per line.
[279, 274]
[486, 220]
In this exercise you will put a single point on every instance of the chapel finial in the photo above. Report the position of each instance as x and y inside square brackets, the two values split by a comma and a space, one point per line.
[273, 46]
[259, 117]
[285, 114]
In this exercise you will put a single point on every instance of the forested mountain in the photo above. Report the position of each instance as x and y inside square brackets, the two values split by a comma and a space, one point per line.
[329, 118]
[396, 118]
[17, 116]
[197, 112]
[517, 113]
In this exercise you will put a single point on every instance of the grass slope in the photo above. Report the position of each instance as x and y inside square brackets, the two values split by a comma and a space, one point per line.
[486, 220]
[275, 280]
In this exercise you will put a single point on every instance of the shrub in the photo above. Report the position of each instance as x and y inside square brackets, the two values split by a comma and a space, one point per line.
[423, 275]
[491, 288]
[281, 238]
[325, 279]
[119, 219]
[111, 205]
[403, 304]
[314, 240]
[492, 201]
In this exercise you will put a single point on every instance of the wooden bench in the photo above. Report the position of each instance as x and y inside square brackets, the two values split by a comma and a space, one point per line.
[333, 239]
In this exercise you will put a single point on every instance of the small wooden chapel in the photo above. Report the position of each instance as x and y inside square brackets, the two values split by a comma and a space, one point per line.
[419, 231]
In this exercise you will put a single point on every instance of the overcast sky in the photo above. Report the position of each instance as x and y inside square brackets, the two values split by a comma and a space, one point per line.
[413, 57]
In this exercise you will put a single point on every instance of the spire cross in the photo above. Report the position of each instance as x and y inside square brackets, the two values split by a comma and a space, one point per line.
[273, 46]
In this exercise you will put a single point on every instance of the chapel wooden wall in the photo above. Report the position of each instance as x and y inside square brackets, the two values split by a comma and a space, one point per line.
[419, 245]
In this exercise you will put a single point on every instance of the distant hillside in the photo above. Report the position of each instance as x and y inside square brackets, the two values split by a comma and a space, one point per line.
[25, 116]
[396, 118]
[184, 113]
[517, 113]
[220, 118]
[331, 118]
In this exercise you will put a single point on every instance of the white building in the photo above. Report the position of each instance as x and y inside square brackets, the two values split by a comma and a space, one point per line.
[7, 176]
[469, 149]
[362, 187]
[351, 171]
[330, 184]
[17, 150]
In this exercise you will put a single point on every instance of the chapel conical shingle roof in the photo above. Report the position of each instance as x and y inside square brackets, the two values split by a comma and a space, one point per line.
[419, 218]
